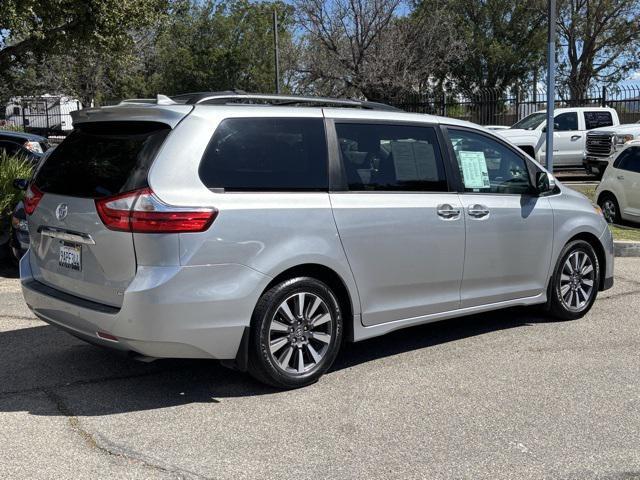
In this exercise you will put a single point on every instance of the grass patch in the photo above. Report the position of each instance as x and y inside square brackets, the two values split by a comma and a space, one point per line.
[588, 191]
[625, 233]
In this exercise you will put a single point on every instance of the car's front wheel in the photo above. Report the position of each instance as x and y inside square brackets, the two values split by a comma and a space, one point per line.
[575, 282]
[296, 332]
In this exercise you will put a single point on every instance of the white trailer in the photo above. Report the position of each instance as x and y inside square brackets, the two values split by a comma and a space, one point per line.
[47, 114]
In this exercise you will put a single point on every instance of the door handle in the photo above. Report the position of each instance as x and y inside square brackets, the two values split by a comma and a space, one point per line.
[576, 137]
[447, 211]
[478, 211]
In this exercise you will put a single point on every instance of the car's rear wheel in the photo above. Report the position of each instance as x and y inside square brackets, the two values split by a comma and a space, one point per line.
[296, 333]
[575, 282]
[610, 207]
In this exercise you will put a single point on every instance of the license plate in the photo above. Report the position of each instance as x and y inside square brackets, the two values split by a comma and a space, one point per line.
[70, 256]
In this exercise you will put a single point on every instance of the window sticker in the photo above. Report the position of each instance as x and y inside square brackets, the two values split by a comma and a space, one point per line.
[414, 160]
[474, 170]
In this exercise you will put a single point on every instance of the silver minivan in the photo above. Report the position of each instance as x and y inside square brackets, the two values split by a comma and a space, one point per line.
[266, 231]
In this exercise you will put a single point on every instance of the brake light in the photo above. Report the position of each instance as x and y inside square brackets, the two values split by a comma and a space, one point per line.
[141, 211]
[33, 147]
[32, 197]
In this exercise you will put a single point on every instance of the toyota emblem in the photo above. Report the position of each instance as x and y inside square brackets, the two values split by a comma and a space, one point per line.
[61, 211]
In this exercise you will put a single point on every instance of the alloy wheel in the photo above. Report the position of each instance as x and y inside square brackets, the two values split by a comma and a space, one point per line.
[300, 333]
[609, 210]
[576, 281]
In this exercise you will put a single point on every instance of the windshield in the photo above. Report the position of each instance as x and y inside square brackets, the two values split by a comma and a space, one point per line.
[531, 122]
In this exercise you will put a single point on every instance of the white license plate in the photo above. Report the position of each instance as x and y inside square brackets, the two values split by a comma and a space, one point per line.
[70, 256]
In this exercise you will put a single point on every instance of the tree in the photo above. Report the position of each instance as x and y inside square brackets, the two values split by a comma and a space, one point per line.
[219, 46]
[364, 48]
[600, 41]
[36, 27]
[505, 39]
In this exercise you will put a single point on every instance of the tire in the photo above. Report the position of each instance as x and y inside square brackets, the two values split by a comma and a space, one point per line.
[610, 207]
[570, 295]
[287, 350]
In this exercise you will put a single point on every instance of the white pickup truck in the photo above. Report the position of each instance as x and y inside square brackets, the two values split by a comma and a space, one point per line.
[603, 143]
[569, 135]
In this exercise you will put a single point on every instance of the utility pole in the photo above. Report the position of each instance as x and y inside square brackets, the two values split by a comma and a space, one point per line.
[275, 48]
[551, 80]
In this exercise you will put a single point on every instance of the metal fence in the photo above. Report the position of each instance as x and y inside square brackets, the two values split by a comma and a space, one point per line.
[506, 107]
[44, 115]
[50, 115]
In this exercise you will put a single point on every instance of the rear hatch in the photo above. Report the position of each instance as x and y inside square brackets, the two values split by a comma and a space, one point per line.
[71, 249]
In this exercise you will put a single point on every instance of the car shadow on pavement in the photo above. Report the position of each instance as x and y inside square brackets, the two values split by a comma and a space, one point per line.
[43, 360]
[424, 336]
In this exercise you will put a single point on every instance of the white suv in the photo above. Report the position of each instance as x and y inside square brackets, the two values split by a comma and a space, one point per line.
[619, 191]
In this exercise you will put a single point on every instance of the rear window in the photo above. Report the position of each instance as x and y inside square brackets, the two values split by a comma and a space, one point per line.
[597, 119]
[102, 158]
[266, 154]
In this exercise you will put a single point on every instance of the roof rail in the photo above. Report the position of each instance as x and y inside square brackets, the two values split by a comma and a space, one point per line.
[238, 96]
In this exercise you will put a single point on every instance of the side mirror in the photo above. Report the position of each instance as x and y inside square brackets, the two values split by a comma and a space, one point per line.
[545, 183]
[21, 184]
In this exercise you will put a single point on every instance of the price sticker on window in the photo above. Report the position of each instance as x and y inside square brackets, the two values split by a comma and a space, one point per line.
[474, 170]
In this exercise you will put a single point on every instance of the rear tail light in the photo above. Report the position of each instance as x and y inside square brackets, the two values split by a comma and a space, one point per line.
[32, 197]
[141, 211]
[33, 147]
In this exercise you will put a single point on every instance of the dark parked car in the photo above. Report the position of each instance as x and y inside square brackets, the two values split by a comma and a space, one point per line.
[19, 233]
[27, 144]
[17, 242]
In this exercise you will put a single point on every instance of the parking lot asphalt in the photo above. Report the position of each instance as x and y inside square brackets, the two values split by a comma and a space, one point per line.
[510, 395]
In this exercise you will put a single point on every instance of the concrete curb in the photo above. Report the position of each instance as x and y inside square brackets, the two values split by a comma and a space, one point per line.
[626, 249]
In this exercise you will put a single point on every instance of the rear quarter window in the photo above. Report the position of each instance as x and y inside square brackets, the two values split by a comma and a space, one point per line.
[266, 154]
[99, 159]
[597, 119]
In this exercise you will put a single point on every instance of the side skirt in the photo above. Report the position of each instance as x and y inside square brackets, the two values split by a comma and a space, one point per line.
[360, 332]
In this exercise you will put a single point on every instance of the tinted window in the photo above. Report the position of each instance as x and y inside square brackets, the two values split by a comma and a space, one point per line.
[629, 160]
[597, 119]
[566, 122]
[486, 165]
[10, 148]
[391, 157]
[102, 158]
[267, 154]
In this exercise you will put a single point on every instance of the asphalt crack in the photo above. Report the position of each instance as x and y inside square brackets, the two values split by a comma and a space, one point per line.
[78, 383]
[107, 447]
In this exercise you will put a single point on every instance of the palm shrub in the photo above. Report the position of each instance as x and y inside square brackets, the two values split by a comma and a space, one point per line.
[11, 168]
[11, 127]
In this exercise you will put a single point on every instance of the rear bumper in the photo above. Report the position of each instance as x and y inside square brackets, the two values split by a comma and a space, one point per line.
[167, 312]
[19, 242]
